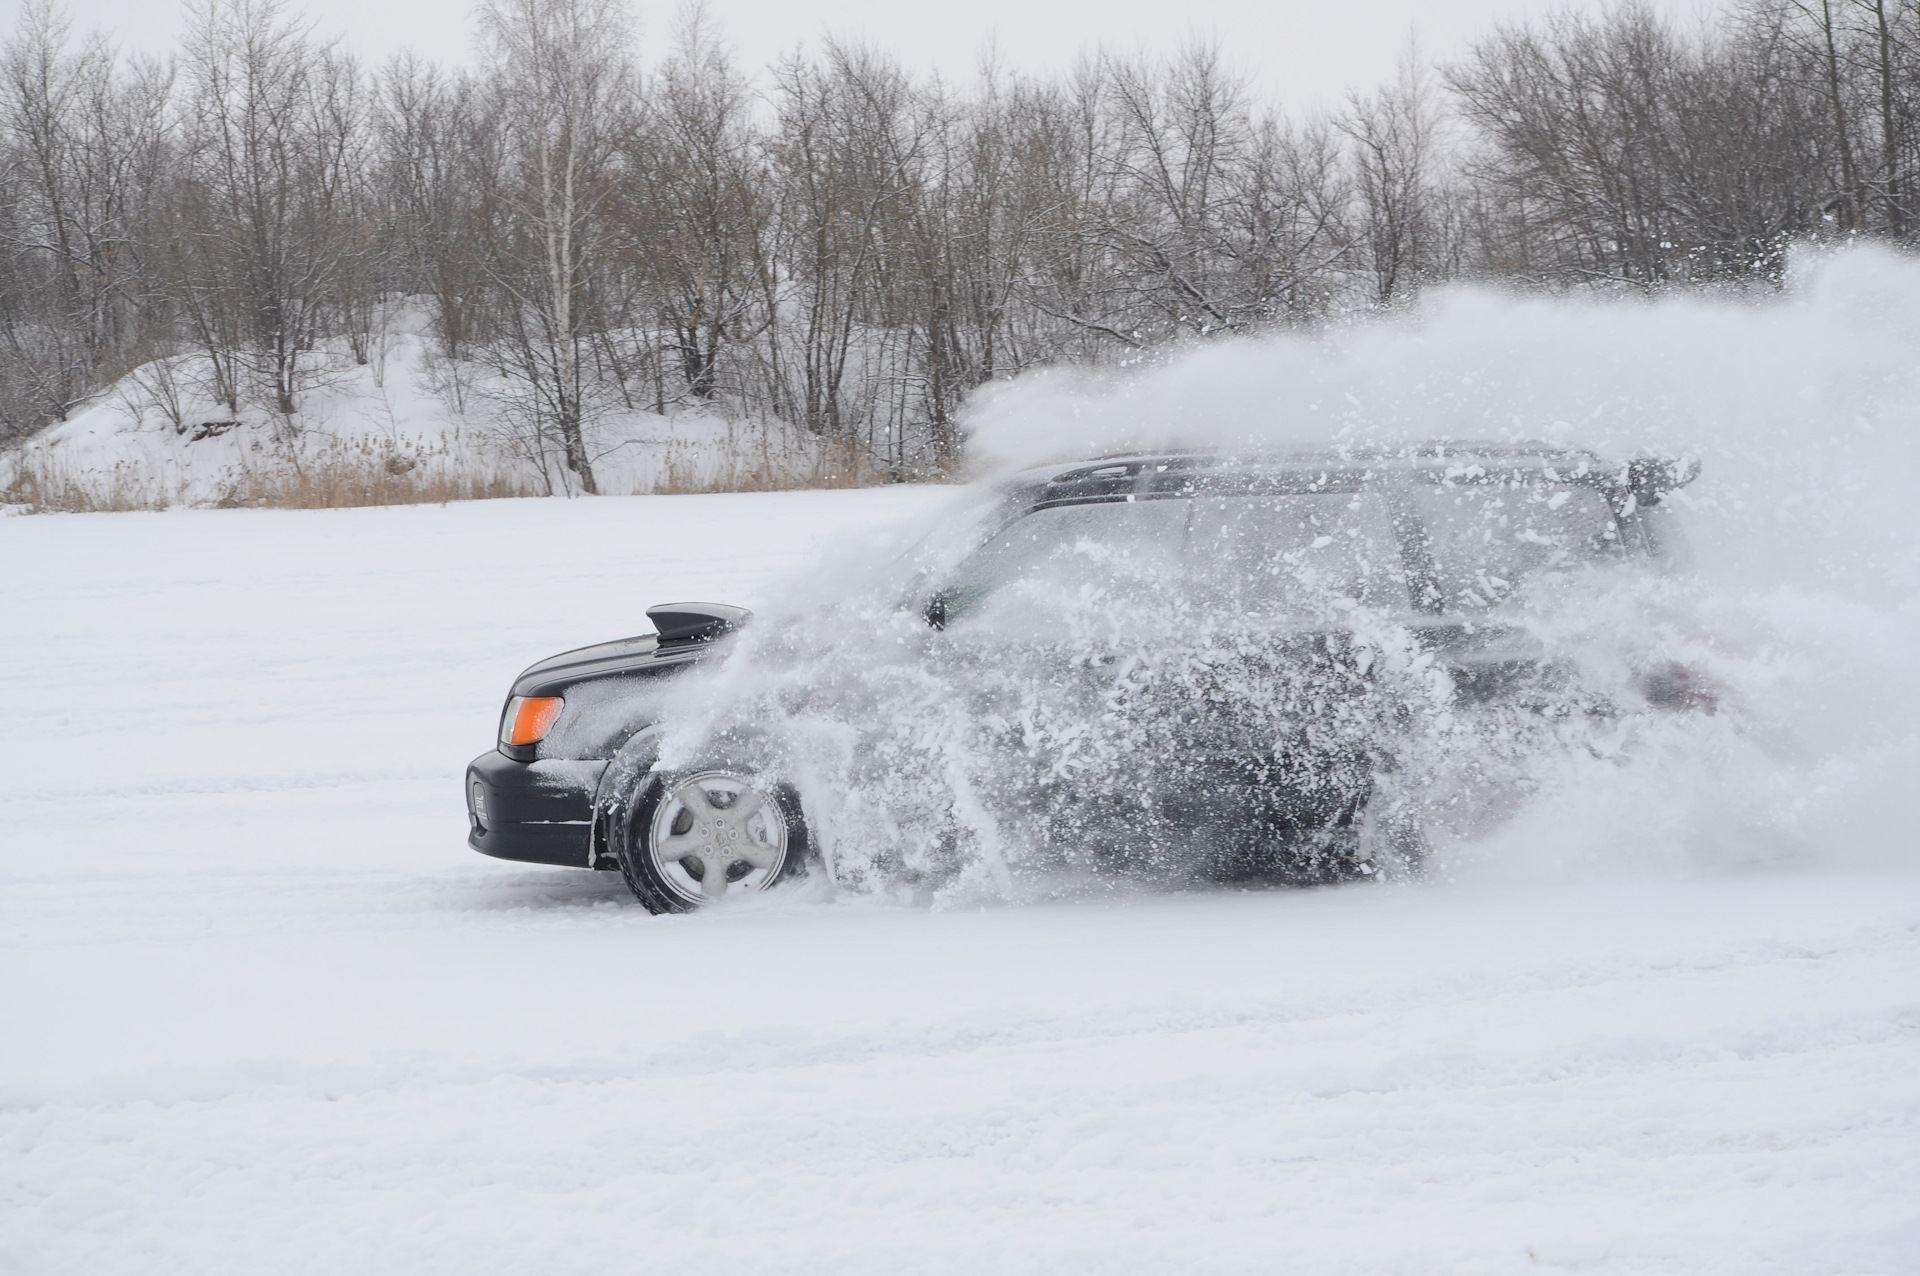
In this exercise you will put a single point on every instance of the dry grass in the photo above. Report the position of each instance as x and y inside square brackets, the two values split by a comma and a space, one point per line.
[831, 467]
[331, 485]
[46, 489]
[337, 481]
[362, 475]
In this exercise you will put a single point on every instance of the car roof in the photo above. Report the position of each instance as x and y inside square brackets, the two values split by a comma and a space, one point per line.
[1172, 473]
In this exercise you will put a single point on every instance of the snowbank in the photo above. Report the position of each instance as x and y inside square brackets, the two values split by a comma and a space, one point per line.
[399, 425]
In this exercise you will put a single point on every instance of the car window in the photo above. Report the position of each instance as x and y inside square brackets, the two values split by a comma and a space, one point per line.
[1110, 553]
[1265, 556]
[1297, 554]
[1489, 538]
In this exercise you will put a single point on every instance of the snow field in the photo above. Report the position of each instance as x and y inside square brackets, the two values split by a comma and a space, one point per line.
[266, 1013]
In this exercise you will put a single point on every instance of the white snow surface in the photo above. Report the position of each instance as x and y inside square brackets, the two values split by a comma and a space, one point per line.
[262, 1011]
[158, 437]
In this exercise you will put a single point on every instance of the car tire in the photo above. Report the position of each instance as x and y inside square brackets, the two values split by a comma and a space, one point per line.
[1395, 847]
[686, 839]
[1372, 848]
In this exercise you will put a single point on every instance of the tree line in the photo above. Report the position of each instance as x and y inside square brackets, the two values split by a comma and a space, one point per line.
[844, 249]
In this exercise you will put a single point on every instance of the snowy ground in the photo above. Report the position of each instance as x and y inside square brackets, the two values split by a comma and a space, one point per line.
[159, 438]
[264, 1012]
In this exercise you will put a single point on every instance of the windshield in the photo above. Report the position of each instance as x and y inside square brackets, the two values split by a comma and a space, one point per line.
[1114, 552]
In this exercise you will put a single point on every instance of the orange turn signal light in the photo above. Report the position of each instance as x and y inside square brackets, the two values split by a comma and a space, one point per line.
[529, 718]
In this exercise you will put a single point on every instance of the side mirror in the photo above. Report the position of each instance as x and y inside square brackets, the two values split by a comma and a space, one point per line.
[681, 623]
[1651, 477]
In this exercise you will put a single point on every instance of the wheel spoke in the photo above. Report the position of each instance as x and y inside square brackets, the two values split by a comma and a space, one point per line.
[744, 808]
[696, 800]
[676, 847]
[714, 884]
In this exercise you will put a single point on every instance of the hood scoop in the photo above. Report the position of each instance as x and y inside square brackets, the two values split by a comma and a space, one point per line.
[681, 624]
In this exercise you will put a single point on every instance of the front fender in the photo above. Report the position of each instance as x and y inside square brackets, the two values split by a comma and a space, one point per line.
[634, 761]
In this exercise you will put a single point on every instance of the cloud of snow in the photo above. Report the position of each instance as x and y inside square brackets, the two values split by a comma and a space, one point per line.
[1803, 407]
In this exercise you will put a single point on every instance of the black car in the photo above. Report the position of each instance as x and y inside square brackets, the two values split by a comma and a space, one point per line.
[1266, 762]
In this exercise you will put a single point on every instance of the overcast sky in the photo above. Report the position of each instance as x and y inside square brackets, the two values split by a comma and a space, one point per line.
[1307, 53]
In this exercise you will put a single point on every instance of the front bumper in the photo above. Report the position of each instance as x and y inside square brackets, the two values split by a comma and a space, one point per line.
[534, 812]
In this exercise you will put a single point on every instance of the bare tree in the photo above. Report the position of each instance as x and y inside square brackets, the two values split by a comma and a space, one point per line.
[1398, 164]
[270, 218]
[561, 72]
[843, 155]
[88, 135]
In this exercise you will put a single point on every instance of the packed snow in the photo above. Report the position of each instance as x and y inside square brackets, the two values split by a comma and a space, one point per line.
[266, 1012]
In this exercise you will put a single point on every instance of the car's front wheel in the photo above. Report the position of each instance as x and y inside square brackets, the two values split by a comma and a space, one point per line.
[690, 838]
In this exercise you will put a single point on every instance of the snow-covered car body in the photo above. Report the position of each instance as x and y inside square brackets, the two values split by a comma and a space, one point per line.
[1402, 534]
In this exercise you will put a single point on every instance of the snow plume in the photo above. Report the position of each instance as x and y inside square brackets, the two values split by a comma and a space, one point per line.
[940, 763]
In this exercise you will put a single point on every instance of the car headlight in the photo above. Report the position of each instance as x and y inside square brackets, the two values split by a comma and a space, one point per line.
[528, 719]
